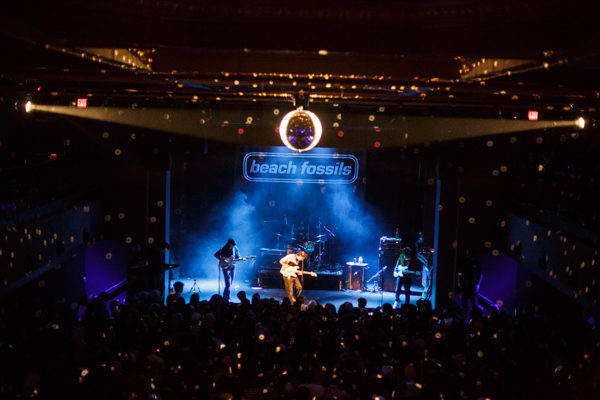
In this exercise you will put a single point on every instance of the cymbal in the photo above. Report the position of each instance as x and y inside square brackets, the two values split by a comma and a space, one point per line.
[319, 237]
[278, 234]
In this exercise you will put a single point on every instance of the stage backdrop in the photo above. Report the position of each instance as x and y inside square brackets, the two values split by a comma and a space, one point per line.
[272, 198]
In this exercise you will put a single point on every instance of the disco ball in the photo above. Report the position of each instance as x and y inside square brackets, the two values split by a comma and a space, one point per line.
[300, 130]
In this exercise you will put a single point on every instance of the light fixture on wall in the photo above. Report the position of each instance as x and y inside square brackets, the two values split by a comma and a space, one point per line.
[300, 130]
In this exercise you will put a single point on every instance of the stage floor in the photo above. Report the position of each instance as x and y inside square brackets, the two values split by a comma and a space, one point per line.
[206, 288]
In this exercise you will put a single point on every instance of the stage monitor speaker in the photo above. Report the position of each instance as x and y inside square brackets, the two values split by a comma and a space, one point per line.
[388, 257]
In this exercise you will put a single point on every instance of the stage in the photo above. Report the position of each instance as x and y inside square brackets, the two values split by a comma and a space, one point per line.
[206, 288]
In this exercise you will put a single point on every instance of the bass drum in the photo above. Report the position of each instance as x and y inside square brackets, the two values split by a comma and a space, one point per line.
[309, 247]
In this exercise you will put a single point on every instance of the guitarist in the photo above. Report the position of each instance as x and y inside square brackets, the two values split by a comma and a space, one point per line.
[403, 275]
[226, 255]
[290, 268]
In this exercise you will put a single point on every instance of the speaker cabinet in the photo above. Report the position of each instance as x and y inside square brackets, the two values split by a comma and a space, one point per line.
[269, 278]
[267, 268]
[269, 259]
[388, 258]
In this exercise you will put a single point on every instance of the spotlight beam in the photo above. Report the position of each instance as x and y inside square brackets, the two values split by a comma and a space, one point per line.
[419, 130]
[209, 124]
[187, 122]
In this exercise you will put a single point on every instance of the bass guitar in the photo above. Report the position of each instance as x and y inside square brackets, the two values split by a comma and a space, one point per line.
[227, 262]
[291, 271]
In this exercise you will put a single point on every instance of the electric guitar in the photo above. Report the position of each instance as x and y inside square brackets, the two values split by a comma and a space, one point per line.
[291, 271]
[400, 271]
[227, 262]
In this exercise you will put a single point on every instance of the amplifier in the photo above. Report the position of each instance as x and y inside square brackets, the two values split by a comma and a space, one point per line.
[386, 242]
[269, 258]
[272, 252]
[269, 278]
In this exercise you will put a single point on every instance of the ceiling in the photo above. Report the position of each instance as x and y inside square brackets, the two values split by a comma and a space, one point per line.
[449, 59]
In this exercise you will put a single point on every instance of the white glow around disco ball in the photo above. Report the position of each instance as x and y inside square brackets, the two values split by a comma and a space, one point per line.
[300, 130]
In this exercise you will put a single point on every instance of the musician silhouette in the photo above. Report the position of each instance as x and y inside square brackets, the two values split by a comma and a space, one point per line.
[403, 275]
[290, 269]
[226, 255]
[470, 275]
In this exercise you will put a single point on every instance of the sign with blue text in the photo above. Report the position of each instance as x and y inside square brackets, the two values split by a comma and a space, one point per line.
[306, 168]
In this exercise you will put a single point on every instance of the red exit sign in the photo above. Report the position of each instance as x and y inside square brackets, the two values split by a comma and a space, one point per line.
[532, 115]
[82, 103]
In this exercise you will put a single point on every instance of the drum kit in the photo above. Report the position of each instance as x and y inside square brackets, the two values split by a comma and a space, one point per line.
[315, 246]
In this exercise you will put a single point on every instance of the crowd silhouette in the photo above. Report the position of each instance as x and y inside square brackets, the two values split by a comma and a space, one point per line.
[263, 348]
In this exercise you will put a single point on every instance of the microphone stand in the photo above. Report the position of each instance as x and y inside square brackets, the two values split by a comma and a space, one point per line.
[332, 235]
[328, 231]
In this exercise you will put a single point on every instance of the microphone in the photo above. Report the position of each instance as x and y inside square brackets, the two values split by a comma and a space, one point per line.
[285, 217]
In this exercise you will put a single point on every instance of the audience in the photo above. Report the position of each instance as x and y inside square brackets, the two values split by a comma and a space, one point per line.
[268, 349]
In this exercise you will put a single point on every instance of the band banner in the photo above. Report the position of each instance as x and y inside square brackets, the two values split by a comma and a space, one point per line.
[306, 168]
